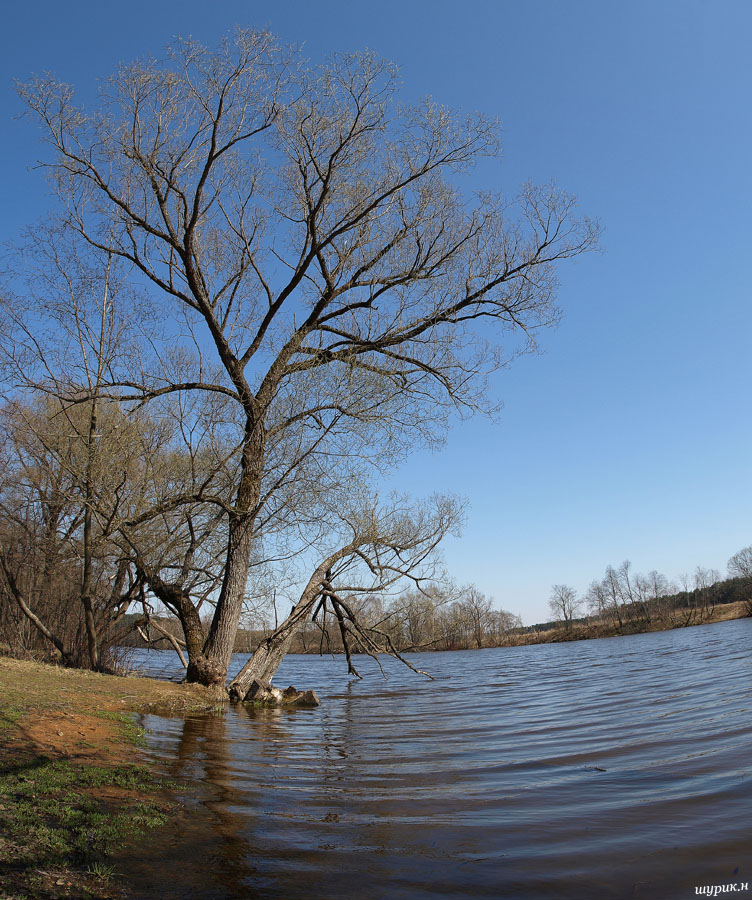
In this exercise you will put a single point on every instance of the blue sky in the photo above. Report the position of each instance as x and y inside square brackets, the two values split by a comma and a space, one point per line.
[630, 436]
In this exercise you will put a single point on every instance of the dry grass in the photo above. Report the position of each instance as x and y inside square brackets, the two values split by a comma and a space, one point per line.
[48, 687]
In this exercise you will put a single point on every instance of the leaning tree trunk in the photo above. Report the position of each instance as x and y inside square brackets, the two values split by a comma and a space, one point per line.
[263, 665]
[176, 599]
[194, 634]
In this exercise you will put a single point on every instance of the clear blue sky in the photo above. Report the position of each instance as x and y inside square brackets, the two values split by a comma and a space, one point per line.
[630, 437]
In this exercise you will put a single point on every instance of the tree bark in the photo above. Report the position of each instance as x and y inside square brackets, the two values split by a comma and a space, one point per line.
[221, 639]
[263, 665]
[86, 587]
[92, 637]
[199, 668]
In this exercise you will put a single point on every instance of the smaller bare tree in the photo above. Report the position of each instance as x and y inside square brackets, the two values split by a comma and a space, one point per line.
[476, 611]
[740, 566]
[501, 624]
[564, 604]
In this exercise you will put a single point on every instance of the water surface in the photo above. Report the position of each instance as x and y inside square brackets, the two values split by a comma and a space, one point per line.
[602, 769]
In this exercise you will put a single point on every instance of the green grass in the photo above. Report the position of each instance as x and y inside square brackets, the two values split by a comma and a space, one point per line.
[53, 815]
[10, 716]
[129, 730]
[100, 870]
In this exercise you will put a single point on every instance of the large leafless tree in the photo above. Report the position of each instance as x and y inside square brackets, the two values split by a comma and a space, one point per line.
[316, 272]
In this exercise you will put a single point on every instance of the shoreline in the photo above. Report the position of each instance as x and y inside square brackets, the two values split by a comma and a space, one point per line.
[74, 781]
[588, 630]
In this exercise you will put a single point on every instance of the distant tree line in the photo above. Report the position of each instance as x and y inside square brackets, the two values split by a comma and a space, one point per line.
[630, 601]
[432, 619]
[429, 619]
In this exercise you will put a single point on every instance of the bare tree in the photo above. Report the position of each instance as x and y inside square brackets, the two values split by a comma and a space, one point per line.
[564, 603]
[60, 562]
[111, 466]
[47, 430]
[322, 279]
[704, 580]
[415, 612]
[501, 623]
[740, 564]
[476, 612]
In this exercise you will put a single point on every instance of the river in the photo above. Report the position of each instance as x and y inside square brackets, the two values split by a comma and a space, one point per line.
[614, 768]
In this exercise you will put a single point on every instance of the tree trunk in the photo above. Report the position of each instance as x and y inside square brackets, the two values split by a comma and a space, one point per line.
[86, 587]
[263, 665]
[92, 637]
[221, 640]
[174, 597]
[212, 667]
[198, 668]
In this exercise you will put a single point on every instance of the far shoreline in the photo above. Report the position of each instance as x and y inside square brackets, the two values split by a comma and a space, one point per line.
[591, 628]
[595, 628]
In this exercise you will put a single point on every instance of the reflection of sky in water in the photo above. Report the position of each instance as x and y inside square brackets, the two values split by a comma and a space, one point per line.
[612, 768]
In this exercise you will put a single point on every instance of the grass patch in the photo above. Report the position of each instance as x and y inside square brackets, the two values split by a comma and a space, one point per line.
[10, 716]
[55, 813]
[65, 818]
[129, 730]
